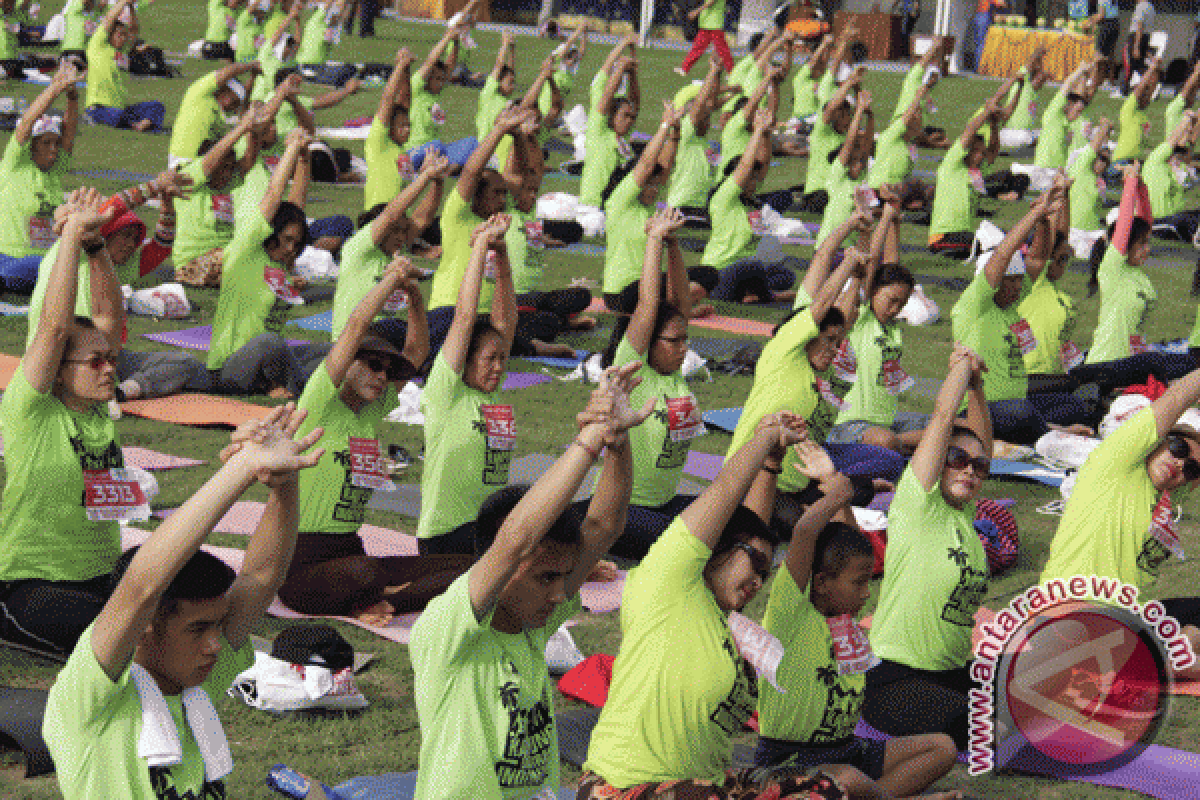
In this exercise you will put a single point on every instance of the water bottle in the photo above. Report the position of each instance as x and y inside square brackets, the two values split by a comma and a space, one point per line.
[290, 783]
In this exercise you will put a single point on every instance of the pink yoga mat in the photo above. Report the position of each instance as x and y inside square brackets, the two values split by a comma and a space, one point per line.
[241, 519]
[703, 465]
[743, 327]
[144, 458]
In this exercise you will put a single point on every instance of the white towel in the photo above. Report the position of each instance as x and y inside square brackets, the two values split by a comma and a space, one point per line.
[159, 743]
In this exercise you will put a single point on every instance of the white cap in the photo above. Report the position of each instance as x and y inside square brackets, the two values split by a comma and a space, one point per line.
[235, 86]
[46, 124]
[1112, 217]
[1015, 267]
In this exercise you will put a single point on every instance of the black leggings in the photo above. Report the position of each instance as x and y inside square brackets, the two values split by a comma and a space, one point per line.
[903, 701]
[544, 315]
[460, 541]
[643, 525]
[49, 616]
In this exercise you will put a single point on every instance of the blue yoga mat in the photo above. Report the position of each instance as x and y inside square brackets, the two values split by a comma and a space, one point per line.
[583, 249]
[561, 363]
[396, 786]
[317, 322]
[1032, 472]
[725, 419]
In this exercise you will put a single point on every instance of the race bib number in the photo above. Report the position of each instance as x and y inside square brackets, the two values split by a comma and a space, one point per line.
[259, 41]
[230, 22]
[1137, 344]
[397, 301]
[41, 232]
[851, 647]
[489, 265]
[222, 208]
[624, 148]
[277, 279]
[912, 153]
[845, 362]
[438, 114]
[534, 235]
[1033, 108]
[1145, 128]
[683, 419]
[121, 59]
[976, 177]
[113, 494]
[89, 26]
[1026, 341]
[895, 379]
[501, 426]
[714, 158]
[758, 646]
[1162, 526]
[1070, 355]
[333, 35]
[755, 218]
[828, 395]
[367, 470]
[404, 166]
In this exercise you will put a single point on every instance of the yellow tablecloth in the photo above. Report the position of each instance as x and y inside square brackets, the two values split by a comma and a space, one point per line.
[1008, 49]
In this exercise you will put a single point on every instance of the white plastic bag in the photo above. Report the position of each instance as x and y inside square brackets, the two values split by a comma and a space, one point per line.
[1066, 450]
[275, 685]
[408, 410]
[575, 120]
[557, 205]
[168, 301]
[920, 308]
[316, 265]
[1013, 138]
[562, 654]
[592, 220]
[1121, 410]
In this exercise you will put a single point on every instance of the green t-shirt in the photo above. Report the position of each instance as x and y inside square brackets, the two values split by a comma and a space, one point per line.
[249, 36]
[660, 444]
[469, 439]
[485, 702]
[458, 221]
[1126, 296]
[735, 140]
[908, 90]
[218, 26]
[389, 167]
[423, 115]
[825, 88]
[205, 218]
[625, 235]
[823, 141]
[732, 237]
[987, 329]
[491, 103]
[1087, 196]
[45, 532]
[362, 266]
[271, 64]
[818, 706]
[330, 501]
[1105, 528]
[933, 546]
[246, 306]
[317, 38]
[691, 180]
[199, 118]
[713, 17]
[249, 194]
[1051, 148]
[92, 726]
[893, 157]
[564, 80]
[28, 198]
[1173, 114]
[105, 81]
[9, 25]
[955, 200]
[680, 690]
[83, 292]
[1135, 124]
[1194, 339]
[603, 149]
[875, 345]
[804, 93]
[273, 22]
[841, 200]
[1022, 118]
[526, 250]
[286, 121]
[1051, 315]
[1166, 195]
[79, 25]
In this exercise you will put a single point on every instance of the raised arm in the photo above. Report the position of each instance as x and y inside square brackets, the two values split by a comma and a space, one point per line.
[529, 101]
[333, 97]
[459, 337]
[851, 144]
[504, 297]
[612, 84]
[1016, 237]
[297, 146]
[504, 56]
[964, 369]
[704, 101]
[1191, 86]
[887, 232]
[840, 94]
[641, 325]
[755, 101]
[431, 169]
[822, 263]
[1179, 397]
[618, 52]
[829, 291]
[63, 79]
[836, 491]
[975, 123]
[1145, 88]
[398, 89]
[291, 21]
[114, 14]
[345, 349]
[745, 169]
[654, 148]
[1100, 135]
[227, 73]
[213, 158]
[1135, 202]
[108, 304]
[507, 121]
[436, 53]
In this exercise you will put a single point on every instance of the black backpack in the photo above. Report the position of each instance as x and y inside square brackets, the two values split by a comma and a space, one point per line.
[147, 60]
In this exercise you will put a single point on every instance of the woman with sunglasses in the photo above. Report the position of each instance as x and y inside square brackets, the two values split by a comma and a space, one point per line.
[680, 690]
[469, 433]
[1120, 519]
[348, 396]
[924, 637]
[59, 540]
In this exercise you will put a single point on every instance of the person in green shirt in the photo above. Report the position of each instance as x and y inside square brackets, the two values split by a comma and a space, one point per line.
[709, 19]
[809, 720]
[177, 628]
[923, 638]
[1066, 106]
[829, 131]
[680, 689]
[610, 119]
[482, 691]
[203, 108]
[1172, 219]
[1183, 101]
[1088, 184]
[250, 26]
[388, 163]
[499, 87]
[425, 113]
[1134, 120]
[79, 18]
[221, 23]
[737, 129]
[808, 76]
[469, 435]
[1022, 130]
[691, 180]
[321, 32]
[57, 543]
[278, 51]
[847, 168]
[896, 154]
[106, 89]
[1047, 307]
[35, 159]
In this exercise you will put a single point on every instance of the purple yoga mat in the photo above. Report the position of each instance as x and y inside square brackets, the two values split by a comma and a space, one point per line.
[523, 380]
[703, 465]
[195, 338]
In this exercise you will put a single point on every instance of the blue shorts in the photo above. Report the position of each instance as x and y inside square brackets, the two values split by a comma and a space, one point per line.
[852, 432]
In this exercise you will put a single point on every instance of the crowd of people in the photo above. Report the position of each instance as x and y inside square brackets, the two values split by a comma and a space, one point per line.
[149, 633]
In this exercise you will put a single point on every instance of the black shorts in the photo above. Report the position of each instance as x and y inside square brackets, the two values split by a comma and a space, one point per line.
[865, 755]
[1107, 33]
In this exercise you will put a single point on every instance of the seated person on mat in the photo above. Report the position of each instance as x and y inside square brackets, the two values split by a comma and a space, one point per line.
[692, 179]
[896, 154]
[480, 681]
[322, 31]
[177, 628]
[680, 689]
[330, 164]
[35, 158]
[736, 129]
[202, 110]
[610, 119]
[924, 74]
[425, 112]
[1134, 120]
[80, 18]
[847, 168]
[810, 720]
[829, 131]
[497, 92]
[389, 166]
[1022, 129]
[1172, 218]
[106, 82]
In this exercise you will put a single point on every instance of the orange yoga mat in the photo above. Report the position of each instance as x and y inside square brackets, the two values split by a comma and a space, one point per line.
[196, 409]
[8, 368]
[745, 327]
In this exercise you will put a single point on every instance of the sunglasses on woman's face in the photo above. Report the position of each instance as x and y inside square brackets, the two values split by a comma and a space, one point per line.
[1178, 447]
[760, 562]
[396, 371]
[97, 361]
[957, 458]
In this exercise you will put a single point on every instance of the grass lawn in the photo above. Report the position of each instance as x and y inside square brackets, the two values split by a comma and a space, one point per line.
[386, 737]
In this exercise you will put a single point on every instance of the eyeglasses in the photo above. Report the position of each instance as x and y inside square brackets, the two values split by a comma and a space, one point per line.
[957, 458]
[97, 361]
[674, 339]
[759, 561]
[395, 369]
[378, 364]
[1178, 447]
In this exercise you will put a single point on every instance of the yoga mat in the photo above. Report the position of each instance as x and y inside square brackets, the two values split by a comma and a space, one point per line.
[145, 458]
[717, 349]
[527, 469]
[725, 419]
[9, 310]
[583, 249]
[21, 713]
[317, 322]
[122, 175]
[561, 363]
[1002, 468]
[8, 367]
[524, 380]
[742, 327]
[242, 518]
[196, 409]
[703, 465]
[264, 645]
[195, 338]
[1158, 771]
[575, 726]
[344, 132]
[398, 786]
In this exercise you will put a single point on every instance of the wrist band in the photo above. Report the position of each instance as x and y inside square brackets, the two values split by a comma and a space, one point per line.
[595, 454]
[94, 248]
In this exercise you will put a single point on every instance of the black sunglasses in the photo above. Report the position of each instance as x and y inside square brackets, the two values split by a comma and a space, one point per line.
[1178, 447]
[396, 370]
[957, 458]
[760, 562]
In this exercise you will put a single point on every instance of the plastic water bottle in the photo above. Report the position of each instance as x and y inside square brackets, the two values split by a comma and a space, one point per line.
[290, 783]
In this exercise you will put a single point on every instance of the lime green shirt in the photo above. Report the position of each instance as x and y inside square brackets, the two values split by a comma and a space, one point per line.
[1166, 195]
[660, 444]
[484, 701]
[1087, 196]
[983, 326]
[908, 90]
[804, 93]
[271, 64]
[79, 25]
[602, 149]
[893, 157]
[735, 139]
[1051, 315]
[105, 81]
[199, 118]
[10, 25]
[818, 706]
[1126, 295]
[1173, 114]
[1023, 115]
[92, 726]
[625, 235]
[526, 250]
[935, 547]
[249, 36]
[317, 38]
[491, 103]
[713, 17]
[218, 27]
[691, 180]
[362, 266]
[1105, 528]
[954, 199]
[564, 80]
[388, 166]
[1194, 339]
[874, 345]
[458, 221]
[823, 141]
[273, 22]
[205, 218]
[841, 200]
[1135, 124]
[464, 465]
[680, 690]
[83, 291]
[28, 198]
[1051, 148]
[421, 116]
[732, 237]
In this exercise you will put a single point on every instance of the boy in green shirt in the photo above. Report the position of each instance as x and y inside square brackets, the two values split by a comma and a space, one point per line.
[106, 90]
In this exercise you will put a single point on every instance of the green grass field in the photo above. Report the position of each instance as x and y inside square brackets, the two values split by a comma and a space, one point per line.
[386, 737]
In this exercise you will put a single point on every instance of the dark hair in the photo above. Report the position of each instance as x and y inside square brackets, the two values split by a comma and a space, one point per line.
[836, 544]
[620, 173]
[666, 313]
[483, 326]
[368, 216]
[1075, 97]
[892, 274]
[78, 322]
[833, 318]
[505, 71]
[288, 214]
[396, 109]
[565, 530]
[484, 176]
[754, 41]
[205, 146]
[743, 526]
[963, 430]
[284, 73]
[203, 577]
[739, 103]
[1099, 249]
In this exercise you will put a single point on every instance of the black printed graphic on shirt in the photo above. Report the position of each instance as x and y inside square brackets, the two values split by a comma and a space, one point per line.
[164, 787]
[673, 454]
[1153, 554]
[1016, 359]
[823, 416]
[968, 593]
[352, 500]
[843, 705]
[529, 742]
[742, 700]
[495, 462]
[108, 457]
